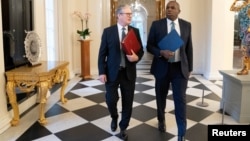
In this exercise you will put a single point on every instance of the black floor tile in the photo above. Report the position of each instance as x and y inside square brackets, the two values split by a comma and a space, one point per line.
[145, 132]
[93, 112]
[70, 96]
[197, 114]
[78, 86]
[55, 110]
[193, 79]
[86, 132]
[202, 87]
[213, 96]
[189, 98]
[142, 87]
[34, 132]
[143, 113]
[98, 98]
[100, 87]
[141, 79]
[197, 132]
[143, 98]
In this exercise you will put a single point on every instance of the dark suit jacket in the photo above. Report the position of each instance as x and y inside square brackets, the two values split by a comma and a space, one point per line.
[159, 65]
[110, 57]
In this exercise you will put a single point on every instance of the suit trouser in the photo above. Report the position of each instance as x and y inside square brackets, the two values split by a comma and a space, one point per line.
[179, 85]
[127, 88]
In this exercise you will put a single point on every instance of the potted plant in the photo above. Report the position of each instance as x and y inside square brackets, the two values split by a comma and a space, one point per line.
[84, 33]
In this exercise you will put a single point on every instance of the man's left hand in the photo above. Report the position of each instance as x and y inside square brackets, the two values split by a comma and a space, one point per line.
[133, 57]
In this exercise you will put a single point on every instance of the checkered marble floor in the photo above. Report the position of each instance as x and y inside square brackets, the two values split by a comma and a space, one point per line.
[85, 115]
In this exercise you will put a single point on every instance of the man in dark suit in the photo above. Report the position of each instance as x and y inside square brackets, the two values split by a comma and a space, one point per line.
[116, 74]
[171, 67]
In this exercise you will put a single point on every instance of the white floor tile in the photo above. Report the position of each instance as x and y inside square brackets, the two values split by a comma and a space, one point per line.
[64, 121]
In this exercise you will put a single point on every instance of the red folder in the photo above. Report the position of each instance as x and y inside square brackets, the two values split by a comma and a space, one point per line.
[130, 42]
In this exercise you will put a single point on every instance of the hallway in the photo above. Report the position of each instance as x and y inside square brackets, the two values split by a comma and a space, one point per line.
[85, 115]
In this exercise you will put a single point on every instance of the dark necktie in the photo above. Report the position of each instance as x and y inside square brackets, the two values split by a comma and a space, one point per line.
[172, 59]
[122, 53]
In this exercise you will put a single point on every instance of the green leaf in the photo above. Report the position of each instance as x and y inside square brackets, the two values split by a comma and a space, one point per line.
[84, 32]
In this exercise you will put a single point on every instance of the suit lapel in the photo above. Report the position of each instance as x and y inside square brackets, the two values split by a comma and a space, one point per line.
[182, 29]
[164, 26]
[182, 32]
[116, 35]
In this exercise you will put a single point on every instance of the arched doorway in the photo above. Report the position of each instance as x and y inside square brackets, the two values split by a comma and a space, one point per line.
[140, 15]
[144, 13]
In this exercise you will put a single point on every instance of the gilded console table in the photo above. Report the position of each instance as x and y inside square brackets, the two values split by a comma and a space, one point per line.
[43, 77]
[85, 59]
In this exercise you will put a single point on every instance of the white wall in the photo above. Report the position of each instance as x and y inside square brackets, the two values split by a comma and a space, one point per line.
[221, 39]
[212, 31]
[4, 115]
[200, 30]
[99, 10]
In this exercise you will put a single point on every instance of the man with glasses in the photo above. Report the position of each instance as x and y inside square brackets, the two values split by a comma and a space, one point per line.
[118, 70]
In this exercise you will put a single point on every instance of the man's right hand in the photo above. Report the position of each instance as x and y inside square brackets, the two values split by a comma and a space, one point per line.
[103, 78]
[166, 54]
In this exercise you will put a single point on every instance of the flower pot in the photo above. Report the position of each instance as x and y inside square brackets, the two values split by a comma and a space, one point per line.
[81, 38]
[87, 37]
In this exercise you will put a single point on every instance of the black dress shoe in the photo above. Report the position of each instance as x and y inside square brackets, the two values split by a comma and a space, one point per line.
[123, 135]
[162, 126]
[113, 124]
[181, 138]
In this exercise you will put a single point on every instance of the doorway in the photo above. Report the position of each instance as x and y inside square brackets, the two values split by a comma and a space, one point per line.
[139, 17]
[144, 13]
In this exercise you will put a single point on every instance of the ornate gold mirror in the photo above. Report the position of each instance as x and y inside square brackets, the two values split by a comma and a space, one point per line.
[159, 8]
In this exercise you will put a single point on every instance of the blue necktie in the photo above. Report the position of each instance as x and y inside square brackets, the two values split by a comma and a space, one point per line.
[122, 53]
[172, 26]
[172, 59]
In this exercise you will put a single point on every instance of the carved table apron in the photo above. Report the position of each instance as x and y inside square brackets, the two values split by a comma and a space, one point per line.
[43, 77]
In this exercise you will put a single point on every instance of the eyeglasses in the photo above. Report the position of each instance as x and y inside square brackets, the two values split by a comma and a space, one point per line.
[128, 14]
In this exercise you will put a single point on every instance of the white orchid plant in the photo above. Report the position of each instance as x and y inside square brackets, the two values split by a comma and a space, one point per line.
[84, 18]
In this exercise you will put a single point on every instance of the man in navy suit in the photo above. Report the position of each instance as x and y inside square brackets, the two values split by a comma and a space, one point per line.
[171, 67]
[116, 74]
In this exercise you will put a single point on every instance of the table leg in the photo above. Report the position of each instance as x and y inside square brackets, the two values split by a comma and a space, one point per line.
[43, 92]
[10, 89]
[64, 84]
